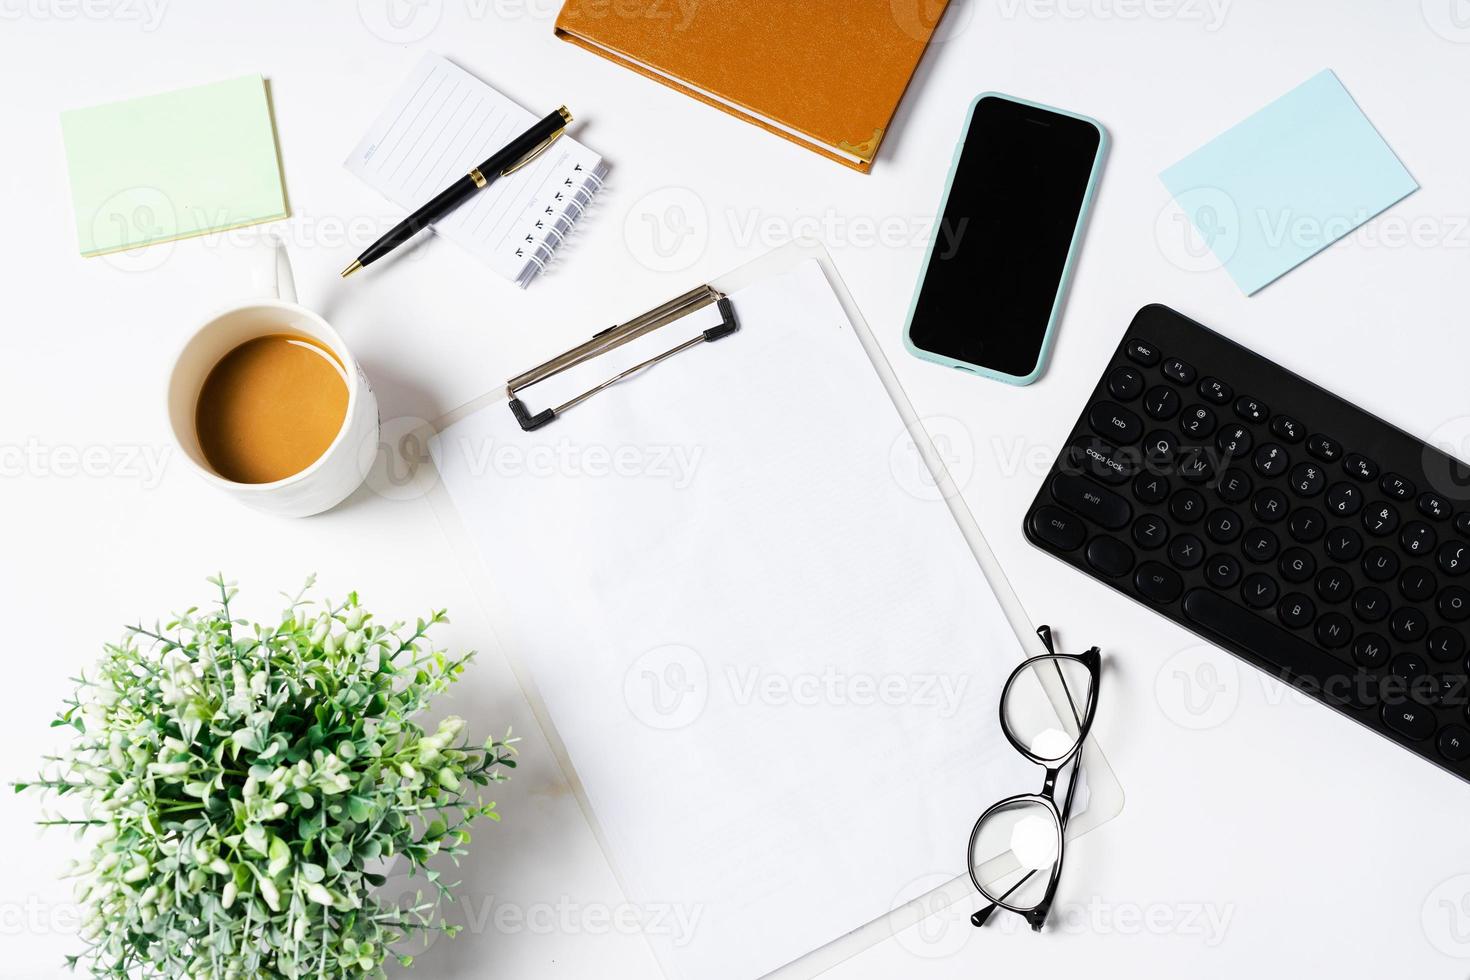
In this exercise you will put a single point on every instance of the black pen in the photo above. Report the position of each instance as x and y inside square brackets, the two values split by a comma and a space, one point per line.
[514, 155]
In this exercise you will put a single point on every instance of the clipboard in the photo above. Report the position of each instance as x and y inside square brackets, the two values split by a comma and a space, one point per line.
[676, 340]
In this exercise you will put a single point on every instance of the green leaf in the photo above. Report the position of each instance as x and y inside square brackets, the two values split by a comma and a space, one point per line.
[280, 857]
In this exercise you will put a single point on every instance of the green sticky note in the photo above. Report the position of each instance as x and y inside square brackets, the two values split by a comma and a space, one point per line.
[170, 166]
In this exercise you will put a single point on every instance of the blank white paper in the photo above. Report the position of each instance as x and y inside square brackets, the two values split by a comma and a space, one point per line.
[774, 662]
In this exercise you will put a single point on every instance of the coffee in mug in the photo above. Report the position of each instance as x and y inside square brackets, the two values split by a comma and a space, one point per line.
[270, 408]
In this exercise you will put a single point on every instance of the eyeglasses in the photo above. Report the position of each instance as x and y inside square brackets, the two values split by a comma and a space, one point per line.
[1017, 846]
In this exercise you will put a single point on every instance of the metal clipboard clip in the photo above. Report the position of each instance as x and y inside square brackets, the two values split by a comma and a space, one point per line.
[615, 337]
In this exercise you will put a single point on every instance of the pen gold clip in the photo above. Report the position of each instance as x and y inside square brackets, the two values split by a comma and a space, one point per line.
[566, 117]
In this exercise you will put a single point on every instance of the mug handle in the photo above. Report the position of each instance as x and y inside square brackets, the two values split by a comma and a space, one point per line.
[276, 280]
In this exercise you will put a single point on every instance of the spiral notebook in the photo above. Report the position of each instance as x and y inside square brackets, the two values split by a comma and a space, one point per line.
[441, 122]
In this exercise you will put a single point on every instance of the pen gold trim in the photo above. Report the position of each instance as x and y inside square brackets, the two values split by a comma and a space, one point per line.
[546, 145]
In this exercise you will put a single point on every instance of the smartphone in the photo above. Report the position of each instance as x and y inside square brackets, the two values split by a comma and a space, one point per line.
[1011, 224]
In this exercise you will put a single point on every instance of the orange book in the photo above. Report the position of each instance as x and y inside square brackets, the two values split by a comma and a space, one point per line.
[827, 74]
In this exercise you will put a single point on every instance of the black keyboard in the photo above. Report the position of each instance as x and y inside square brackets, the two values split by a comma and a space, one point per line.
[1274, 519]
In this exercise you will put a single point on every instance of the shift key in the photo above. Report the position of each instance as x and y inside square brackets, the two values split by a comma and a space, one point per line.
[1079, 494]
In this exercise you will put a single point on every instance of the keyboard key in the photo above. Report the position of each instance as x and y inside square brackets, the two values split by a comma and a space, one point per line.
[1433, 506]
[1325, 448]
[1110, 556]
[1091, 501]
[1150, 489]
[1446, 645]
[1270, 505]
[1223, 526]
[1462, 522]
[1187, 507]
[1380, 564]
[1215, 391]
[1451, 691]
[1161, 403]
[1177, 370]
[1370, 650]
[1408, 666]
[1307, 479]
[1344, 499]
[1334, 584]
[1409, 625]
[1235, 487]
[1287, 428]
[1454, 557]
[1251, 410]
[1142, 352]
[1115, 423]
[1454, 743]
[1195, 465]
[1161, 448]
[1102, 461]
[1296, 611]
[1297, 565]
[1381, 520]
[1271, 460]
[1125, 383]
[1397, 487]
[1334, 631]
[1198, 422]
[1222, 571]
[1417, 583]
[1259, 591]
[1371, 605]
[1360, 467]
[1260, 545]
[1219, 617]
[1186, 551]
[1409, 720]
[1307, 525]
[1157, 582]
[1454, 604]
[1058, 528]
[1418, 538]
[1150, 532]
[1344, 544]
[1234, 441]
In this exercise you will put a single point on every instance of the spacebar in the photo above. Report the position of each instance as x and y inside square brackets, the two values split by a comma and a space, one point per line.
[1327, 675]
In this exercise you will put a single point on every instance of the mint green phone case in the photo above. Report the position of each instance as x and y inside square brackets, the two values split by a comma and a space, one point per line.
[1072, 249]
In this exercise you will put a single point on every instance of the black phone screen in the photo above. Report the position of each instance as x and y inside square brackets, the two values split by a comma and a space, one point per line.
[1001, 247]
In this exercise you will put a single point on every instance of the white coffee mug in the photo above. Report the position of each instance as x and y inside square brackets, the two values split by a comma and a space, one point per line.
[338, 471]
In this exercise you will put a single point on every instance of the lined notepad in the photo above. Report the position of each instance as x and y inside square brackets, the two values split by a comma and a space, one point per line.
[441, 122]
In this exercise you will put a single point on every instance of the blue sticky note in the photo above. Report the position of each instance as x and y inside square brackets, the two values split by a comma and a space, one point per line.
[1271, 192]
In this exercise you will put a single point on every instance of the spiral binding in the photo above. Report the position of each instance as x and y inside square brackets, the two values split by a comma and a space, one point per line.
[561, 226]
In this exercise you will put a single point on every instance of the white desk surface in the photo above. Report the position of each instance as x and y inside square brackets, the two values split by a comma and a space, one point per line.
[1262, 834]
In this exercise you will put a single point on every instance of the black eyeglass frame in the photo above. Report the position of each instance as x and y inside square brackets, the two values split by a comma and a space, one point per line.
[1036, 915]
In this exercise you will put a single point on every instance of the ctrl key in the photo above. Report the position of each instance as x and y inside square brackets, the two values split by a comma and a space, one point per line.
[1058, 528]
